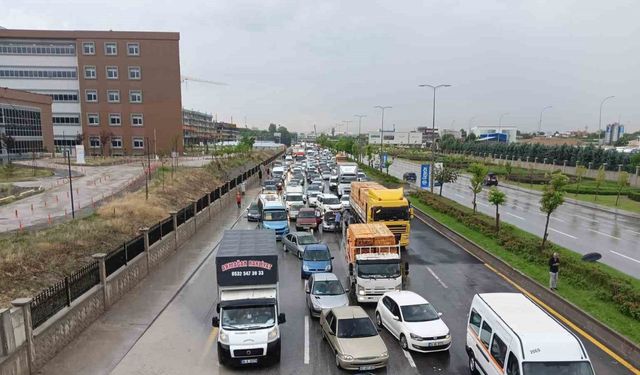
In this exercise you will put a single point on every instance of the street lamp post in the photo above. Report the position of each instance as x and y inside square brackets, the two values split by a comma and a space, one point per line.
[470, 123]
[500, 120]
[347, 122]
[433, 129]
[600, 121]
[359, 132]
[540, 121]
[382, 130]
[73, 210]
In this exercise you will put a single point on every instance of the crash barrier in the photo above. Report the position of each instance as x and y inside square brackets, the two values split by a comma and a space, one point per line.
[35, 329]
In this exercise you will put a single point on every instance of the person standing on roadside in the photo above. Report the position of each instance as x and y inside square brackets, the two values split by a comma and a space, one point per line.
[238, 198]
[554, 264]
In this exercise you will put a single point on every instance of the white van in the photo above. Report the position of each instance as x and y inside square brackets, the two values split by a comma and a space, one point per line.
[508, 334]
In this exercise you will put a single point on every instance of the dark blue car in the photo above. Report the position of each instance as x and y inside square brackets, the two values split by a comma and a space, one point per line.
[316, 258]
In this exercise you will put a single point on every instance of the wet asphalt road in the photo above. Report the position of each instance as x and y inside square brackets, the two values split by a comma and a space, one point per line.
[181, 341]
[581, 229]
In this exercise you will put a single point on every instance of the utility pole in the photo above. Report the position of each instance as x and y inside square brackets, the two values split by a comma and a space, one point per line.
[382, 131]
[540, 121]
[73, 210]
[433, 129]
[146, 180]
[360, 134]
[500, 121]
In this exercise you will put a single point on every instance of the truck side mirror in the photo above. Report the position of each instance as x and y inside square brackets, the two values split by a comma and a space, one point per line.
[406, 268]
[215, 321]
[282, 318]
[350, 268]
[218, 308]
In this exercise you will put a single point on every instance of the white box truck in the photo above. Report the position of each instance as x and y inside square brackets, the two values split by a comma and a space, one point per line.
[248, 308]
[347, 173]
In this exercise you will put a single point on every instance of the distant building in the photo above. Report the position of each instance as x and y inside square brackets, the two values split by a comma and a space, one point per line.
[613, 133]
[506, 134]
[428, 134]
[396, 138]
[457, 134]
[25, 123]
[553, 141]
[199, 129]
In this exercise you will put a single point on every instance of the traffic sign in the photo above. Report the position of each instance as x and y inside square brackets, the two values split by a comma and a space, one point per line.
[383, 160]
[425, 176]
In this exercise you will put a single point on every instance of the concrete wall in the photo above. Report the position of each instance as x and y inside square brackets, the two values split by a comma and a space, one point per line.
[62, 328]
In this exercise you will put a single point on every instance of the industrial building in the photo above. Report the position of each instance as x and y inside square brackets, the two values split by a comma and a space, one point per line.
[506, 134]
[116, 92]
[396, 138]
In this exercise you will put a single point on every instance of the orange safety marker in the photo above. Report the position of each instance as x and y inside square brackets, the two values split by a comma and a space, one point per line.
[49, 219]
[20, 226]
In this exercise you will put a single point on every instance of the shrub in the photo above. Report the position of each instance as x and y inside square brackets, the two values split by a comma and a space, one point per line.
[634, 196]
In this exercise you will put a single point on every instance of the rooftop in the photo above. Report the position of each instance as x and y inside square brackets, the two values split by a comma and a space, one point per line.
[87, 34]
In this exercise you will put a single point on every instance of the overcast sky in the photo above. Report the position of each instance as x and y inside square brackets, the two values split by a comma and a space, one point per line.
[300, 63]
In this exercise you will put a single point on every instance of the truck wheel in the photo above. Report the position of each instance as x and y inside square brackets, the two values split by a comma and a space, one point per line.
[472, 365]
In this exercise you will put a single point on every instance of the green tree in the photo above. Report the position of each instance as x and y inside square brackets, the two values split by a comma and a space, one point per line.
[478, 174]
[272, 128]
[552, 198]
[580, 172]
[368, 150]
[387, 164]
[246, 144]
[599, 180]
[508, 168]
[444, 175]
[497, 198]
[623, 181]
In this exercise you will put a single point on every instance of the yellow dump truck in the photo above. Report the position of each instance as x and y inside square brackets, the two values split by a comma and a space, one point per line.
[371, 202]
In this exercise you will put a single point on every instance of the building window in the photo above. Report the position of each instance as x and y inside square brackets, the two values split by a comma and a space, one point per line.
[91, 96]
[93, 119]
[115, 119]
[112, 72]
[113, 96]
[37, 73]
[90, 72]
[137, 119]
[94, 142]
[111, 49]
[135, 72]
[88, 48]
[138, 143]
[24, 125]
[35, 48]
[133, 49]
[135, 96]
[116, 142]
[61, 96]
[69, 120]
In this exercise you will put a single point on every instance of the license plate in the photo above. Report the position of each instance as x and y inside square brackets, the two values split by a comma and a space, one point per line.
[248, 361]
[306, 227]
[366, 368]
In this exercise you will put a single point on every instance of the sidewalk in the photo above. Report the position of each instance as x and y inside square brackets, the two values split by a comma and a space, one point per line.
[104, 343]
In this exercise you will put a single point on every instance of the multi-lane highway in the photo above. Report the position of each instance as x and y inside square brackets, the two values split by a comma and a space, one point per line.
[581, 229]
[180, 339]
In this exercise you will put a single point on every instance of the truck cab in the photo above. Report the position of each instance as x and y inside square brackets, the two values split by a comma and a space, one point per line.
[248, 298]
[273, 214]
[347, 173]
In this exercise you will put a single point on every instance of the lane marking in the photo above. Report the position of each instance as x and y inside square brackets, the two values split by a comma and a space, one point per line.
[624, 256]
[483, 204]
[585, 217]
[568, 322]
[306, 339]
[460, 195]
[563, 233]
[584, 334]
[409, 358]
[516, 216]
[604, 234]
[207, 348]
[632, 231]
[436, 277]
[556, 219]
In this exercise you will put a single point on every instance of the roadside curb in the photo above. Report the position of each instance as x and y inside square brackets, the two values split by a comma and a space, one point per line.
[618, 346]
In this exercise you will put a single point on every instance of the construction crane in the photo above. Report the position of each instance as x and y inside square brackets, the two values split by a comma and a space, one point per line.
[186, 79]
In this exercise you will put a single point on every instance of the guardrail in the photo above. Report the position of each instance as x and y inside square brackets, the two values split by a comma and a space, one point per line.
[618, 344]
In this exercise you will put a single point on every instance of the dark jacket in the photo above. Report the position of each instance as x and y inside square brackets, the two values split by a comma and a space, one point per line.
[554, 263]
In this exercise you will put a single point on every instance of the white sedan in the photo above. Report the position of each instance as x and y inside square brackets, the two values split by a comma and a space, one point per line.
[413, 321]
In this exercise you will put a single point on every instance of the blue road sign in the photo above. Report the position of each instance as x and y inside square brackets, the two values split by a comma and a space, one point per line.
[383, 160]
[425, 176]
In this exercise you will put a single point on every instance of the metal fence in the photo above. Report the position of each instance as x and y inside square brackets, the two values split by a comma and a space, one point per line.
[181, 216]
[166, 226]
[115, 260]
[134, 248]
[155, 233]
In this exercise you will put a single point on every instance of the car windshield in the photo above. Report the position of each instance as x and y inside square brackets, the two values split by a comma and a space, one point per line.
[419, 313]
[344, 198]
[557, 368]
[331, 200]
[294, 197]
[345, 179]
[279, 215]
[327, 288]
[269, 182]
[296, 206]
[306, 239]
[356, 327]
[304, 214]
[247, 317]
[379, 270]
[390, 213]
[314, 187]
[333, 179]
[253, 207]
[313, 194]
[316, 255]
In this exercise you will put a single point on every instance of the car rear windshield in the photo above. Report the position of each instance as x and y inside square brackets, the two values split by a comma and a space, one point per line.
[419, 313]
[560, 368]
[316, 255]
[327, 288]
[332, 200]
[306, 239]
[304, 214]
[356, 327]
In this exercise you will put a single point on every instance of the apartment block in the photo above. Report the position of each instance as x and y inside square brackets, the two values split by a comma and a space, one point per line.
[117, 92]
[200, 128]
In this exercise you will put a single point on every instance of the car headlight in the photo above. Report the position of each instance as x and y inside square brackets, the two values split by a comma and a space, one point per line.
[273, 334]
[223, 338]
[361, 290]
[448, 336]
[416, 337]
[327, 267]
[384, 354]
[346, 357]
[399, 287]
[305, 267]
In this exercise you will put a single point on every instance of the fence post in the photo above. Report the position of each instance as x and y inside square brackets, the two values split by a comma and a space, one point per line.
[174, 217]
[25, 305]
[7, 337]
[194, 204]
[145, 233]
[209, 205]
[102, 267]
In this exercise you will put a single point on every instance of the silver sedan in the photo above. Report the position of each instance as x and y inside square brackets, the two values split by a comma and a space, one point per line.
[296, 242]
[324, 291]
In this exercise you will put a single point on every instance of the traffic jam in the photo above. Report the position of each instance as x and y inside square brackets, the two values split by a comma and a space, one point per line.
[312, 195]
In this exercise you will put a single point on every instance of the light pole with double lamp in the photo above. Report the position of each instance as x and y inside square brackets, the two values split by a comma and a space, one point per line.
[433, 129]
[540, 121]
[382, 131]
[600, 121]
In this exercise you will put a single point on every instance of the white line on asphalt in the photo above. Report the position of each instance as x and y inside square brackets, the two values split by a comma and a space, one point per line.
[409, 358]
[516, 216]
[483, 204]
[556, 219]
[568, 235]
[632, 231]
[306, 339]
[604, 234]
[624, 256]
[436, 277]
[584, 217]
[460, 195]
